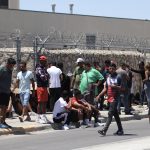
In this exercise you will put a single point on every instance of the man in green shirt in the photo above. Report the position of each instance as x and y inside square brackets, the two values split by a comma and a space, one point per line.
[90, 80]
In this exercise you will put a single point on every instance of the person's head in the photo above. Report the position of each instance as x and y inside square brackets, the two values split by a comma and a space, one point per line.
[77, 93]
[112, 69]
[43, 60]
[87, 66]
[22, 66]
[80, 62]
[10, 63]
[123, 66]
[53, 63]
[141, 64]
[107, 62]
[147, 67]
[65, 95]
[60, 66]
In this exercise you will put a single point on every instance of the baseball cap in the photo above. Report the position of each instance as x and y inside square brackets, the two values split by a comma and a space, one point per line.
[80, 60]
[43, 58]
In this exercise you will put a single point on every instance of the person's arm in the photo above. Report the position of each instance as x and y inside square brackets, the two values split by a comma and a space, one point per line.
[136, 71]
[146, 76]
[16, 85]
[102, 92]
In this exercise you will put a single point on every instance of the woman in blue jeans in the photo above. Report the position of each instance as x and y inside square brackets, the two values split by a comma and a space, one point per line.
[146, 82]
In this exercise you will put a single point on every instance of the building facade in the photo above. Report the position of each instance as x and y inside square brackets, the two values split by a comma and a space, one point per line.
[9, 4]
[92, 28]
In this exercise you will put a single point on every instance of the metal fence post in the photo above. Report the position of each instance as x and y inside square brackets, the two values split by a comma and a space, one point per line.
[35, 48]
[18, 51]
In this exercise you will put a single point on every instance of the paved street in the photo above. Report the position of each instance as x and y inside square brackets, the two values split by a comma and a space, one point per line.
[136, 132]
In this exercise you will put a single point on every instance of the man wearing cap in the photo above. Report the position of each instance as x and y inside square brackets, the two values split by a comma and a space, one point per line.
[77, 73]
[42, 78]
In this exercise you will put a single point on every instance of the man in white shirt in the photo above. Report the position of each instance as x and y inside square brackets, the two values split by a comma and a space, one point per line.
[54, 84]
[62, 112]
[24, 78]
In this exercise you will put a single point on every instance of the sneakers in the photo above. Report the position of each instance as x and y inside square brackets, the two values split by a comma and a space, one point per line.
[42, 119]
[102, 132]
[7, 125]
[99, 124]
[65, 127]
[20, 118]
[119, 132]
[3, 126]
[28, 118]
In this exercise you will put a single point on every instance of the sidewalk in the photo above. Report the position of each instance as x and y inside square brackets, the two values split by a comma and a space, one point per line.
[25, 127]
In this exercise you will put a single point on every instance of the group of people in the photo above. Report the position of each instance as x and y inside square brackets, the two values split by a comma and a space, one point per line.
[72, 99]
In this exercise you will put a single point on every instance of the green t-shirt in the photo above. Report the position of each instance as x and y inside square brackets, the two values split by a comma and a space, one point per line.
[77, 75]
[5, 79]
[92, 76]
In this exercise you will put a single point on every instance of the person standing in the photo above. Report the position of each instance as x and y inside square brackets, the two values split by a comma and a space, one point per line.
[24, 78]
[5, 84]
[55, 75]
[42, 78]
[90, 80]
[124, 96]
[75, 82]
[112, 86]
[146, 82]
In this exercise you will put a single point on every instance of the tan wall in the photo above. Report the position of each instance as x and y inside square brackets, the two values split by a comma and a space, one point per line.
[40, 22]
[13, 4]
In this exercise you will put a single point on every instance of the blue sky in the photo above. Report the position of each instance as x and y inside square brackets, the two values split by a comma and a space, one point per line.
[136, 9]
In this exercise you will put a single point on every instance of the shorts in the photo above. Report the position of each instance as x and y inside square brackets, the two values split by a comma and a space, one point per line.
[42, 94]
[24, 97]
[4, 99]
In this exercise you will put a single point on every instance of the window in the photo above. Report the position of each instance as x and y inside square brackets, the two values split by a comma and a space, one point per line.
[3, 3]
[90, 41]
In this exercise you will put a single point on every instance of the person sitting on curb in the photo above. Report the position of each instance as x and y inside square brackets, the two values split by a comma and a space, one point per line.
[62, 112]
[112, 86]
[84, 110]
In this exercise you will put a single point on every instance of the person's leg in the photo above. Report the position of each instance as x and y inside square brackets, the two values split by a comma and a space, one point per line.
[109, 119]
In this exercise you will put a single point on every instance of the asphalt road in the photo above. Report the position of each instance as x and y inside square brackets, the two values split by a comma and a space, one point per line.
[75, 138]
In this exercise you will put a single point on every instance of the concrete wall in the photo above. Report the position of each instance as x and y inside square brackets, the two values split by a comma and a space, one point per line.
[41, 22]
[14, 4]
[69, 57]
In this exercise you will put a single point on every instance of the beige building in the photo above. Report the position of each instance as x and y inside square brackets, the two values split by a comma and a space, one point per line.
[9, 4]
[34, 22]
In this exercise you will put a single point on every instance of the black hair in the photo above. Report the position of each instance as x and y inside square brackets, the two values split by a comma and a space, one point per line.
[60, 65]
[11, 61]
[113, 65]
[76, 92]
[87, 64]
[107, 62]
[64, 94]
[23, 63]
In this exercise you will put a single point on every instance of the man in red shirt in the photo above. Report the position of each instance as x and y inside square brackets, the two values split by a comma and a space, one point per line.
[113, 87]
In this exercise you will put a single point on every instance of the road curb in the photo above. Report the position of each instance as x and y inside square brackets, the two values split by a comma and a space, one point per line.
[24, 130]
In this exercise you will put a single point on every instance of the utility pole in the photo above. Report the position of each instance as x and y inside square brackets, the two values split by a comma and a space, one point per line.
[35, 48]
[18, 51]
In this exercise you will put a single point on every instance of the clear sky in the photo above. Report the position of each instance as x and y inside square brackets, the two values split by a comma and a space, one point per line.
[136, 9]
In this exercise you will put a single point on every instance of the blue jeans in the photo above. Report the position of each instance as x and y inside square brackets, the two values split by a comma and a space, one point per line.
[124, 98]
[24, 97]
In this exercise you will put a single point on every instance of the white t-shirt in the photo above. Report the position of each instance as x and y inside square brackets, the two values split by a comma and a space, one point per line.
[24, 81]
[54, 73]
[59, 106]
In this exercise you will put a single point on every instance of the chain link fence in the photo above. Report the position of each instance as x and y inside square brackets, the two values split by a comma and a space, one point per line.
[56, 40]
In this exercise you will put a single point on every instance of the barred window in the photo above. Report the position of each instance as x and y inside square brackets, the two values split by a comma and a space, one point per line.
[3, 3]
[90, 41]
